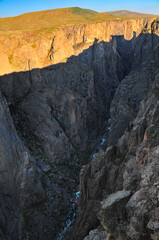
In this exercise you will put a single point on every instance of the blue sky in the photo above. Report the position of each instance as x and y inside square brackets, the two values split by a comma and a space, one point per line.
[16, 7]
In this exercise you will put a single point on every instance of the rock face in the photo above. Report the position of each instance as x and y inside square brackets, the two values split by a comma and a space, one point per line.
[65, 105]
[97, 234]
[20, 178]
[112, 210]
[57, 112]
[134, 87]
[61, 108]
[130, 165]
[28, 50]
[50, 101]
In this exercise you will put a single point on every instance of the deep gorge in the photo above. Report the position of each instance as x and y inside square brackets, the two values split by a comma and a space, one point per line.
[52, 119]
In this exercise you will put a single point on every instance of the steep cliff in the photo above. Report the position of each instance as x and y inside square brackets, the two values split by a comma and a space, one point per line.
[59, 111]
[36, 49]
[20, 178]
[65, 105]
[119, 188]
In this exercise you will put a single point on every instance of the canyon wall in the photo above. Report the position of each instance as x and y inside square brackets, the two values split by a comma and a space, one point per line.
[20, 178]
[59, 112]
[119, 188]
[22, 51]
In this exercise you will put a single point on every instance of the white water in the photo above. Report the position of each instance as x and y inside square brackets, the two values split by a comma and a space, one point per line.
[103, 139]
[71, 216]
[72, 212]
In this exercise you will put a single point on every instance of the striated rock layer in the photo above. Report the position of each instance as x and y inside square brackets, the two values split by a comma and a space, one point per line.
[27, 50]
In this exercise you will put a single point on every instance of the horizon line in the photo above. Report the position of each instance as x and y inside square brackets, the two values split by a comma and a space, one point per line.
[108, 11]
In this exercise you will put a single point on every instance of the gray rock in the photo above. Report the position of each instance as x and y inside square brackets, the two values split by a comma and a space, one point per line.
[45, 168]
[132, 90]
[114, 199]
[20, 178]
[131, 163]
[112, 212]
[96, 234]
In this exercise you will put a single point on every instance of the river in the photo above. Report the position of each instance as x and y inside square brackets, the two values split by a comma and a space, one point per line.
[71, 216]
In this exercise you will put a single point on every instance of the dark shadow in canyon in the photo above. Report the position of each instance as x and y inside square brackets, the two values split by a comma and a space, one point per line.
[61, 110]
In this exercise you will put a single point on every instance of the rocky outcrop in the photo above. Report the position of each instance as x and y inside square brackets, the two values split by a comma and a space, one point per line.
[134, 87]
[20, 178]
[112, 211]
[28, 50]
[154, 26]
[97, 234]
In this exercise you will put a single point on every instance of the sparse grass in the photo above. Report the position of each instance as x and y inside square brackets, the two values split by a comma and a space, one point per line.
[52, 19]
[45, 22]
[34, 45]
[10, 58]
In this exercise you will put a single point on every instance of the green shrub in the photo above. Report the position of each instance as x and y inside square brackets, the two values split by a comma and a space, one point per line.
[130, 126]
[10, 58]
[34, 45]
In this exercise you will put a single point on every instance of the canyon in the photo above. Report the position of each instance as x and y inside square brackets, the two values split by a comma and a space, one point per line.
[55, 107]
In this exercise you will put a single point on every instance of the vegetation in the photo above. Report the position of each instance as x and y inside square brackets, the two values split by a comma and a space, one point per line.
[52, 19]
[156, 88]
[10, 58]
[34, 45]
[114, 153]
[130, 126]
[145, 30]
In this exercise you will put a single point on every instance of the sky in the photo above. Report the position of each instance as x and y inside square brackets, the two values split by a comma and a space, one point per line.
[10, 8]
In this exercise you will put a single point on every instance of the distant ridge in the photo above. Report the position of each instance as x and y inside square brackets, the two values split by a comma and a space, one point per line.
[55, 18]
[129, 14]
[52, 19]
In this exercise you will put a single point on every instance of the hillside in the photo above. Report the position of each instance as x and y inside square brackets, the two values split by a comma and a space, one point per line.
[129, 14]
[55, 18]
[52, 19]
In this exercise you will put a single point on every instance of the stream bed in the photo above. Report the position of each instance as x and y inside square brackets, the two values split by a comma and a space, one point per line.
[71, 216]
